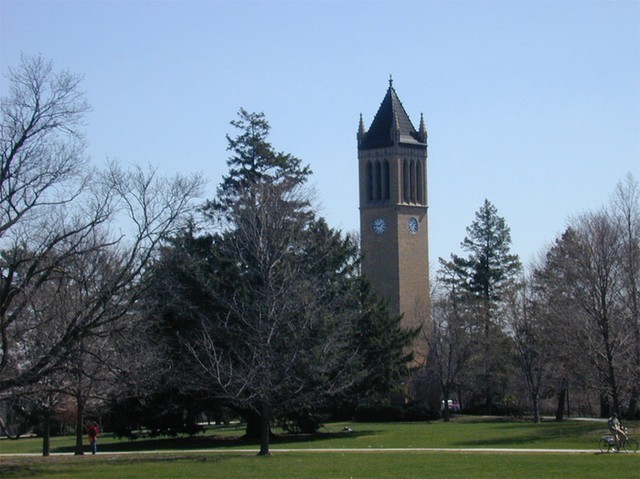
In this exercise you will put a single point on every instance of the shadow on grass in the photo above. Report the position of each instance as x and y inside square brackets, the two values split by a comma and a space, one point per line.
[56, 466]
[512, 434]
[209, 442]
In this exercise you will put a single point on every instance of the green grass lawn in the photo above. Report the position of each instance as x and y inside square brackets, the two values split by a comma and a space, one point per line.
[328, 465]
[226, 461]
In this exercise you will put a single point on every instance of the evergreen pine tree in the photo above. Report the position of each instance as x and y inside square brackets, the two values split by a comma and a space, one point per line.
[485, 276]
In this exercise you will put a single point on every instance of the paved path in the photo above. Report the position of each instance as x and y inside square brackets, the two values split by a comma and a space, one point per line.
[348, 450]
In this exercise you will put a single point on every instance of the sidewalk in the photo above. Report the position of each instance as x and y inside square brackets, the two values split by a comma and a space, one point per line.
[354, 450]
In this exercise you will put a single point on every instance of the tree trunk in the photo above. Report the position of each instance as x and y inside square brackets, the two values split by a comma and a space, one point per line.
[612, 377]
[46, 432]
[488, 400]
[535, 403]
[488, 392]
[79, 451]
[605, 405]
[252, 431]
[446, 413]
[633, 412]
[560, 404]
[265, 420]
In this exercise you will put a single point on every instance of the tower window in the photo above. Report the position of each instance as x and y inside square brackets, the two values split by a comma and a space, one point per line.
[420, 182]
[369, 181]
[385, 181]
[377, 181]
[405, 181]
[413, 181]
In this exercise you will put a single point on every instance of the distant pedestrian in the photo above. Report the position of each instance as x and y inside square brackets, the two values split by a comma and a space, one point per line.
[94, 430]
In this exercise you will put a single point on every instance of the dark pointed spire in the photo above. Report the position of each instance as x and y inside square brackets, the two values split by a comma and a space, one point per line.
[391, 125]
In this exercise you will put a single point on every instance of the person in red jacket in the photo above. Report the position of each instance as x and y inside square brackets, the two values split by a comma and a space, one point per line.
[93, 437]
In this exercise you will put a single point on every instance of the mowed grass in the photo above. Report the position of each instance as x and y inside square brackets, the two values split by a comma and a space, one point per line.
[462, 432]
[375, 464]
[225, 459]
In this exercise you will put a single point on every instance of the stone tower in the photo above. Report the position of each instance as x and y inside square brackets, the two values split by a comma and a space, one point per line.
[392, 157]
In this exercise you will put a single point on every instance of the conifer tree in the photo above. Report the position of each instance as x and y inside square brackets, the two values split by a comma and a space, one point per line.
[253, 160]
[485, 277]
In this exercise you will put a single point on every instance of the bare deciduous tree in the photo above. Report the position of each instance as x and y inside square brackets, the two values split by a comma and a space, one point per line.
[449, 341]
[597, 277]
[70, 237]
[531, 333]
[585, 282]
[625, 209]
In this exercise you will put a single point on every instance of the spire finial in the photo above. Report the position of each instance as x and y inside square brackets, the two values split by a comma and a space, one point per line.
[390, 81]
[423, 129]
[361, 130]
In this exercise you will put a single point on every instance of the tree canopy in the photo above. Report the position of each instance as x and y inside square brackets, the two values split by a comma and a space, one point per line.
[67, 276]
[270, 309]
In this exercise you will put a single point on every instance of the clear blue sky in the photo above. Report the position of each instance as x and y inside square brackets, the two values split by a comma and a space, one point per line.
[534, 105]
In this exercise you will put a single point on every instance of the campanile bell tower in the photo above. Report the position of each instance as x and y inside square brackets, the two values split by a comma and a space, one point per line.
[392, 157]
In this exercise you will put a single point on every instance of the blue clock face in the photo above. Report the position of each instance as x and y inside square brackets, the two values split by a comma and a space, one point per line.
[413, 225]
[379, 226]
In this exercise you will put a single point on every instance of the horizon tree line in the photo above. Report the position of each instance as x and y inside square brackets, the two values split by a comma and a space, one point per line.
[500, 335]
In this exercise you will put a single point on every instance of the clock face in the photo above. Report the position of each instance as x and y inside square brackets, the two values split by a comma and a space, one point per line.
[413, 225]
[379, 226]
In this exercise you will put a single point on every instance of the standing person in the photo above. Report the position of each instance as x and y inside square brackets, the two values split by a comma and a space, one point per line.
[93, 437]
[616, 429]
